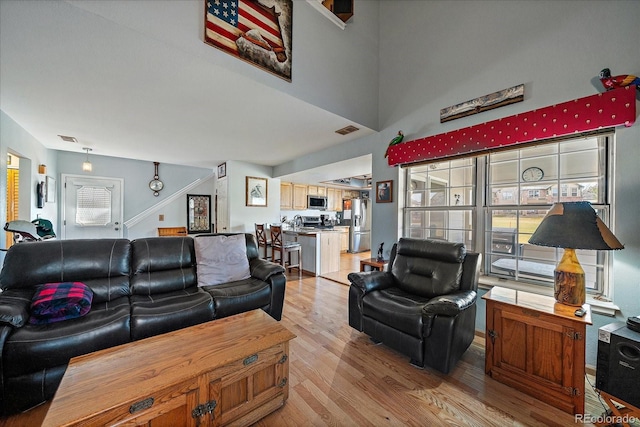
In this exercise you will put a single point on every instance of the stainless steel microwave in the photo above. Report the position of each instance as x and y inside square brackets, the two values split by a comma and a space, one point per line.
[317, 202]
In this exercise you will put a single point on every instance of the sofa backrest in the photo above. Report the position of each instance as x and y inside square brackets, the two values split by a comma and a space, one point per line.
[101, 264]
[427, 268]
[162, 264]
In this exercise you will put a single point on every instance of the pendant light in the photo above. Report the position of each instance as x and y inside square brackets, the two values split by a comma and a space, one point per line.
[86, 165]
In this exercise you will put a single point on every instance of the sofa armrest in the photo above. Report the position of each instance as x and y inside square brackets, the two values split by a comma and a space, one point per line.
[15, 307]
[263, 269]
[371, 280]
[450, 304]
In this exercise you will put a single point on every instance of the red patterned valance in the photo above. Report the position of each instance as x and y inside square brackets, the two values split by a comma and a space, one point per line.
[603, 110]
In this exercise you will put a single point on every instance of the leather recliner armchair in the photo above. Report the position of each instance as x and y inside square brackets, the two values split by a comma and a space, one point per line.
[423, 305]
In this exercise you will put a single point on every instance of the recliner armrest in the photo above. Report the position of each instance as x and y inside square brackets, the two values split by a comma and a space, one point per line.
[371, 280]
[15, 307]
[263, 269]
[450, 304]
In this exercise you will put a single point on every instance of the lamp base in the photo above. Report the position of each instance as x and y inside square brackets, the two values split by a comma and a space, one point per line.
[569, 284]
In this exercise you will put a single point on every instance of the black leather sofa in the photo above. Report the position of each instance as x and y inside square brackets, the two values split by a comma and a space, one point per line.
[423, 305]
[140, 288]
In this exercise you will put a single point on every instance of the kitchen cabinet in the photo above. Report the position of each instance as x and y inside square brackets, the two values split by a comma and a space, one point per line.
[334, 199]
[299, 197]
[286, 196]
[322, 191]
[537, 346]
[344, 238]
[312, 190]
[329, 252]
[320, 250]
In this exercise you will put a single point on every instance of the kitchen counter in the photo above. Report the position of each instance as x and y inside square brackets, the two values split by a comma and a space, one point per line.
[320, 248]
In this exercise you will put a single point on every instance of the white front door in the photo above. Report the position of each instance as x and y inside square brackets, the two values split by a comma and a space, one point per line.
[93, 207]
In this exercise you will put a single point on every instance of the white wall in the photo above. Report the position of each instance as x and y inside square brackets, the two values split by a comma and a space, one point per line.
[242, 218]
[137, 195]
[14, 139]
[334, 69]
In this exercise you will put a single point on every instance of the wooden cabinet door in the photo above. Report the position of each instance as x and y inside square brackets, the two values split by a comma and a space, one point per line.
[312, 190]
[535, 353]
[248, 389]
[286, 196]
[344, 240]
[338, 201]
[331, 199]
[329, 252]
[299, 197]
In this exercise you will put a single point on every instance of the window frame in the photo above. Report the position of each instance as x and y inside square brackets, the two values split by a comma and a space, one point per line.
[481, 207]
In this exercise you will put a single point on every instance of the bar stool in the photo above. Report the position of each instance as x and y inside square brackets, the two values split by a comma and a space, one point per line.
[284, 248]
[261, 236]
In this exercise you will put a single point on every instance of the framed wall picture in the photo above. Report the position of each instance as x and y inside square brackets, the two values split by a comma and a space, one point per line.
[198, 213]
[50, 190]
[258, 32]
[384, 191]
[256, 191]
[222, 170]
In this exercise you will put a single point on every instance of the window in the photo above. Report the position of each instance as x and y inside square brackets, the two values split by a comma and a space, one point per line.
[441, 201]
[93, 206]
[485, 203]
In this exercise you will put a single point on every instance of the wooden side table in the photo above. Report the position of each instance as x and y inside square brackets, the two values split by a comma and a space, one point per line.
[373, 263]
[537, 346]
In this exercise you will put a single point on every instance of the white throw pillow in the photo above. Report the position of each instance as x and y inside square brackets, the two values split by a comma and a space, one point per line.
[221, 259]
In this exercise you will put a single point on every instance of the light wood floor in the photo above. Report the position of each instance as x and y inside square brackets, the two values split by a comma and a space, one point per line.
[338, 377]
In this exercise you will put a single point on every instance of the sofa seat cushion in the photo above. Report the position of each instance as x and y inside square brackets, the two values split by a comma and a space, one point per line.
[35, 347]
[239, 296]
[395, 308]
[157, 314]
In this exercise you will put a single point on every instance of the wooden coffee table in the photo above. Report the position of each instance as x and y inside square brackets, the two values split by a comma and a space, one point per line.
[233, 369]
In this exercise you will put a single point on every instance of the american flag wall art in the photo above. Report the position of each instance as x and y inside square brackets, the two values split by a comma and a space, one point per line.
[256, 31]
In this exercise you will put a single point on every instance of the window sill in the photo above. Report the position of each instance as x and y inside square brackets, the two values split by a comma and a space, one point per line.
[605, 308]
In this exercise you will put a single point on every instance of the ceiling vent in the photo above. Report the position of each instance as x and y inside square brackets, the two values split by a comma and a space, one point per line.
[68, 138]
[347, 130]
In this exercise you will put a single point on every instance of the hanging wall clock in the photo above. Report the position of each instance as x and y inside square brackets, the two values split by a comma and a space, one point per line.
[156, 185]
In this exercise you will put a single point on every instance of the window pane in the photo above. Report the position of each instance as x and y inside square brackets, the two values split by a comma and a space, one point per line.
[504, 172]
[93, 206]
[579, 164]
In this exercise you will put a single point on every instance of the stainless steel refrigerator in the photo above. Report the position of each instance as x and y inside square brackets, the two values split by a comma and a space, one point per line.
[359, 224]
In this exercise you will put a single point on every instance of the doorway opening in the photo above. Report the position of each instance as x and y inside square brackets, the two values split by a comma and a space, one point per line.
[13, 193]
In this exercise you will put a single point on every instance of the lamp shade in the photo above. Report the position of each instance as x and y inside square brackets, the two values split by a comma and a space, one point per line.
[574, 225]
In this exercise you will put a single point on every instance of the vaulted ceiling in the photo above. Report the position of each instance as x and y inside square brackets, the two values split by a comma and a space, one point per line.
[68, 68]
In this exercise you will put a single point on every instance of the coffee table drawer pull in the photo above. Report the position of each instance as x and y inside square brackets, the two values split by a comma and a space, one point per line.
[283, 359]
[139, 406]
[283, 382]
[249, 360]
[204, 408]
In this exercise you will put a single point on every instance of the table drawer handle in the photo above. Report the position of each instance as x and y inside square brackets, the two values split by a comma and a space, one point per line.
[249, 360]
[139, 406]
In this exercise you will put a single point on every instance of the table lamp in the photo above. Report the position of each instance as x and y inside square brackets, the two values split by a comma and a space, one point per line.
[571, 226]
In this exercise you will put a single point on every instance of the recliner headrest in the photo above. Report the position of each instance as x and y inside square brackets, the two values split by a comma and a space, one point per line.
[434, 249]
